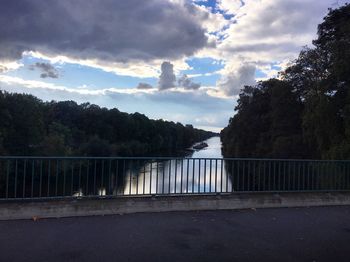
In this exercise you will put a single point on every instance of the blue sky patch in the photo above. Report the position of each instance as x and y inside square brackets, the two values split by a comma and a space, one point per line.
[203, 65]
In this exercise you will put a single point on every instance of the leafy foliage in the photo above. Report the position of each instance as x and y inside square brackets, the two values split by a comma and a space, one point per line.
[30, 126]
[305, 113]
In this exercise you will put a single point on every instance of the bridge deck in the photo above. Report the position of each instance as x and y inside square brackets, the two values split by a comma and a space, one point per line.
[285, 234]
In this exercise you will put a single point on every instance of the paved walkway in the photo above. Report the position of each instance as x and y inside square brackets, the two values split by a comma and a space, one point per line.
[304, 234]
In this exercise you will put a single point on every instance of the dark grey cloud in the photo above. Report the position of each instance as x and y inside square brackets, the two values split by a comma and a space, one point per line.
[107, 30]
[265, 47]
[167, 77]
[187, 83]
[47, 70]
[236, 80]
[144, 86]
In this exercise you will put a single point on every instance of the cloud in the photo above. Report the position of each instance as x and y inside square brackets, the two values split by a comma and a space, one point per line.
[117, 31]
[187, 83]
[140, 69]
[47, 70]
[211, 20]
[81, 90]
[232, 83]
[192, 100]
[261, 26]
[3, 68]
[230, 7]
[6, 66]
[195, 107]
[144, 86]
[267, 32]
[167, 77]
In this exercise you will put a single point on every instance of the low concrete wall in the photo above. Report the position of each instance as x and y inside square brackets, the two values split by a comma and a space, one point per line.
[124, 205]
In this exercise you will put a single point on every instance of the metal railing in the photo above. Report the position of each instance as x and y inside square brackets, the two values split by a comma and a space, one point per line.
[58, 177]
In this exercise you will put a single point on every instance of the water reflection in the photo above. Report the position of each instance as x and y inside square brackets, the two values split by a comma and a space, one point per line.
[187, 175]
[204, 171]
[212, 151]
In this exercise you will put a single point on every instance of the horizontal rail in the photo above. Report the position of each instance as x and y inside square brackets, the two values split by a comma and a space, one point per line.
[79, 177]
[170, 158]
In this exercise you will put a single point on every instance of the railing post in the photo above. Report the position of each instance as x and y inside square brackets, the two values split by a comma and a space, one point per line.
[50, 177]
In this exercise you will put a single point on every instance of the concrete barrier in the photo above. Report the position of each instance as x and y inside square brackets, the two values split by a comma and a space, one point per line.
[26, 209]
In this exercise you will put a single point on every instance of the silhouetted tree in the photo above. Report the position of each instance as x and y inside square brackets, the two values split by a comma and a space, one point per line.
[307, 112]
[29, 126]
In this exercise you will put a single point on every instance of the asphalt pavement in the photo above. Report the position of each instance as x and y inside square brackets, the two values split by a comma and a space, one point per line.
[284, 234]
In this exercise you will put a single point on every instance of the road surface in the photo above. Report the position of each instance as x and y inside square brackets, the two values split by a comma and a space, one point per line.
[286, 234]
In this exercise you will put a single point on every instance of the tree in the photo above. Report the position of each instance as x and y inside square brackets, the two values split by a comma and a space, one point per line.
[24, 129]
[31, 127]
[307, 112]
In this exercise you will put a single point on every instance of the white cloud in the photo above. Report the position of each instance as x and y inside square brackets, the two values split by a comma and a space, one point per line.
[182, 104]
[81, 90]
[6, 65]
[265, 32]
[212, 22]
[135, 69]
[230, 7]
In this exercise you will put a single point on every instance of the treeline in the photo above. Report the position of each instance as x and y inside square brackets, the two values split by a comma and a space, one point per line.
[30, 126]
[306, 112]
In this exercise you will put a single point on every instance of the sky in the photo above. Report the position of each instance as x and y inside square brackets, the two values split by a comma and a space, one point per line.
[179, 60]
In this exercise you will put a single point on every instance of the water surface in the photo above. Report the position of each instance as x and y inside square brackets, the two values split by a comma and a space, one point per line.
[212, 151]
[191, 174]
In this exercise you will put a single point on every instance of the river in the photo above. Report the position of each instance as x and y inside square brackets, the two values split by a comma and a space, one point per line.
[212, 151]
[202, 171]
[191, 174]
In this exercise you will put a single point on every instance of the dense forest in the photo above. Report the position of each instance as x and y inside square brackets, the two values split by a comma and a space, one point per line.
[305, 113]
[30, 126]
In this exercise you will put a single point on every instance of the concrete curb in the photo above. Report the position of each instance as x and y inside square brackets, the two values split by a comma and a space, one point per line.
[11, 210]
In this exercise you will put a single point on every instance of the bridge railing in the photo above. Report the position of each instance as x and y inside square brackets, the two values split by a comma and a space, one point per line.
[79, 177]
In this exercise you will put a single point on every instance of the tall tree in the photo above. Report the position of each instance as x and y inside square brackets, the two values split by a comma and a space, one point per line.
[307, 112]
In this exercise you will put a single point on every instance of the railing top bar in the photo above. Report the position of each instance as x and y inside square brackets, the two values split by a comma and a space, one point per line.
[163, 158]
[285, 160]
